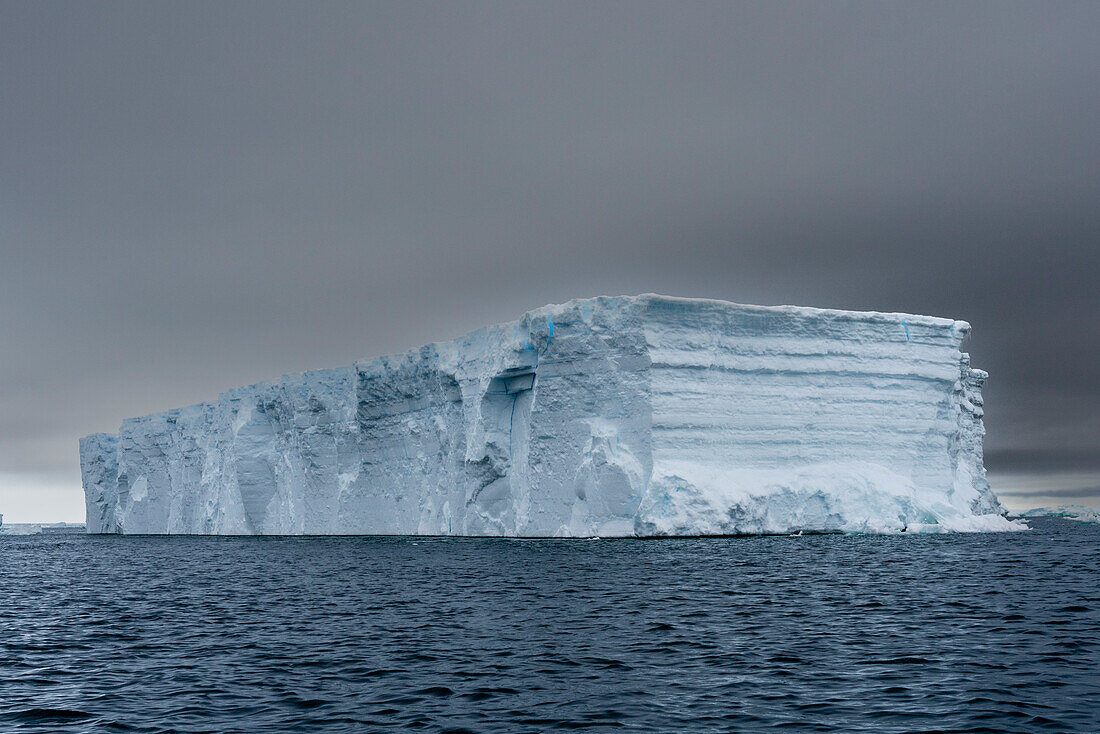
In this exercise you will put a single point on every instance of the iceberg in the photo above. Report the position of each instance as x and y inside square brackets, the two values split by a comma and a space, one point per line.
[612, 416]
[1080, 513]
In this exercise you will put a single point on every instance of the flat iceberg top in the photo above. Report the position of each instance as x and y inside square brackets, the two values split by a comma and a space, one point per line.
[800, 311]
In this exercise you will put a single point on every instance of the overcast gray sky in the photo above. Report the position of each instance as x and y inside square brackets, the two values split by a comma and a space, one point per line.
[200, 195]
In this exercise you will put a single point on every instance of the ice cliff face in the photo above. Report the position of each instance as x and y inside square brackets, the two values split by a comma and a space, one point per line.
[641, 415]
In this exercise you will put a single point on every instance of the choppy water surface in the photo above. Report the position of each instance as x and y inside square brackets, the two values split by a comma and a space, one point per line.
[815, 633]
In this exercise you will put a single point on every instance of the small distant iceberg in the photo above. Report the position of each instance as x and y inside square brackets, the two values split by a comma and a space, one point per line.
[1080, 513]
[37, 528]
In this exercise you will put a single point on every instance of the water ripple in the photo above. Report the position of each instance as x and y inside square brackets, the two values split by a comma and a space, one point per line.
[965, 633]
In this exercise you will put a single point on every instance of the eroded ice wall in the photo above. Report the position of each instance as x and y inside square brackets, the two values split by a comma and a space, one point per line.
[608, 416]
[506, 431]
[766, 419]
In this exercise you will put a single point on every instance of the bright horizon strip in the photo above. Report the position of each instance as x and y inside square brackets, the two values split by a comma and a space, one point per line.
[1019, 491]
[41, 497]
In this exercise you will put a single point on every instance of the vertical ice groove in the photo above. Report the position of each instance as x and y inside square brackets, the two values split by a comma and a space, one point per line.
[607, 416]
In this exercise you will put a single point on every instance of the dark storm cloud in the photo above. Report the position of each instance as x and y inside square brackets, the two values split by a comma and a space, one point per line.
[195, 196]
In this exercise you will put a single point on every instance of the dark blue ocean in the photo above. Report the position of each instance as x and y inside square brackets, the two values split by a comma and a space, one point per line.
[962, 633]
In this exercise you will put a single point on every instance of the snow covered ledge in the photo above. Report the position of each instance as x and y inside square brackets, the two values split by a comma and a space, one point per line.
[643, 415]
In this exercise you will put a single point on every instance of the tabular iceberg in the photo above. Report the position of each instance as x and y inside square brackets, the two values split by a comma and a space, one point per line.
[642, 415]
[1079, 513]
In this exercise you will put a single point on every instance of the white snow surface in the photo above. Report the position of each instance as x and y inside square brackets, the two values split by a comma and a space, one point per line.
[610, 416]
